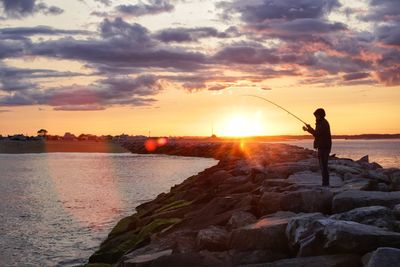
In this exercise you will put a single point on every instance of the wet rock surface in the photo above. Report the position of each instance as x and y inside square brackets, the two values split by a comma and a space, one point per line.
[262, 205]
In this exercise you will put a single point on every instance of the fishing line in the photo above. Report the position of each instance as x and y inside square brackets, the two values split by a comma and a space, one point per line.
[279, 106]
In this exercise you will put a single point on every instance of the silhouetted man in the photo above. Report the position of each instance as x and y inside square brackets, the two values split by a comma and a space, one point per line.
[322, 142]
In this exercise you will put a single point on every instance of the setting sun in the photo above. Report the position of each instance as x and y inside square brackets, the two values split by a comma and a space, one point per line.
[239, 125]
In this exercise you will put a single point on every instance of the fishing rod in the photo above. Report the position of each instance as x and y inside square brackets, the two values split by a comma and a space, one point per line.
[279, 106]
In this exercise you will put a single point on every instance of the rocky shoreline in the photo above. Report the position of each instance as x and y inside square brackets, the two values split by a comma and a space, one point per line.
[262, 205]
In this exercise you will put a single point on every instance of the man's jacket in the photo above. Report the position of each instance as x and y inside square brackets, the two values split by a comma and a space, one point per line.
[322, 134]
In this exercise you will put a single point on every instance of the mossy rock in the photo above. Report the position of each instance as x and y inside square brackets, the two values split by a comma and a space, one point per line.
[124, 225]
[174, 205]
[113, 249]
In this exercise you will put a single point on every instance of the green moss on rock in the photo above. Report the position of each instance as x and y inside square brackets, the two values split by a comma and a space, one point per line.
[124, 225]
[113, 248]
[174, 205]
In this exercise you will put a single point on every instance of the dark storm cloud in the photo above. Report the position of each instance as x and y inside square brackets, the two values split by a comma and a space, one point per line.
[151, 8]
[23, 8]
[99, 95]
[180, 35]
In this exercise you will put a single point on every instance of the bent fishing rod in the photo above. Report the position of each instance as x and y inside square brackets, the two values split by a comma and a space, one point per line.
[279, 106]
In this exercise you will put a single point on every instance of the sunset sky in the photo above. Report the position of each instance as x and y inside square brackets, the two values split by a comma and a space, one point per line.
[182, 67]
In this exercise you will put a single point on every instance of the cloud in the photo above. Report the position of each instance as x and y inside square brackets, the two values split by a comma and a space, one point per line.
[11, 48]
[258, 11]
[123, 45]
[79, 108]
[382, 10]
[389, 76]
[23, 8]
[181, 35]
[355, 76]
[294, 28]
[20, 33]
[4, 110]
[247, 54]
[99, 95]
[389, 35]
[153, 7]
[17, 79]
[104, 2]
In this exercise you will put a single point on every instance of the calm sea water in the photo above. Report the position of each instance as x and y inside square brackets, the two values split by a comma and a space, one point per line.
[384, 152]
[56, 208]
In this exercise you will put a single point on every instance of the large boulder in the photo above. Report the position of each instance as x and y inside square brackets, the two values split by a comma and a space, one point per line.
[352, 199]
[305, 200]
[212, 239]
[344, 260]
[343, 169]
[356, 184]
[375, 215]
[298, 228]
[266, 233]
[217, 211]
[241, 218]
[387, 257]
[328, 236]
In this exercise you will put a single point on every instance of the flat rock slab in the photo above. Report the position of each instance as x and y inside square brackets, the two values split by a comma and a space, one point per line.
[344, 260]
[352, 199]
[387, 257]
[375, 215]
[313, 179]
[212, 239]
[356, 184]
[327, 236]
[266, 233]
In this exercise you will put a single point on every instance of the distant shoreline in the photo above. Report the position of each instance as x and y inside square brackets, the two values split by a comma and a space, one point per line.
[86, 146]
[25, 147]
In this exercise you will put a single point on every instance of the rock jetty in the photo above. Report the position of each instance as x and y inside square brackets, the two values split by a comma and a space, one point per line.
[262, 206]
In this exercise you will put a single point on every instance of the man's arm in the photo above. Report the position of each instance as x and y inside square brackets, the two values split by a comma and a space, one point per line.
[309, 129]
